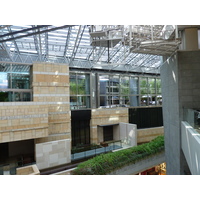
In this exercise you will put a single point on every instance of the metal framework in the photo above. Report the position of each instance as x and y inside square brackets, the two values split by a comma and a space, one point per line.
[115, 47]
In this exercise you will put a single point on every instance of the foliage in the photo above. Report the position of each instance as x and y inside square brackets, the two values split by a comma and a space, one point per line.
[105, 163]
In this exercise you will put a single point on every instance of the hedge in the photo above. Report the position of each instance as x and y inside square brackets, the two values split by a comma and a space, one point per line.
[106, 163]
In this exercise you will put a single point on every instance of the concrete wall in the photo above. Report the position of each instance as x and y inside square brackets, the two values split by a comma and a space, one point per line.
[54, 153]
[191, 147]
[169, 83]
[141, 165]
[180, 89]
[148, 134]
[128, 133]
[105, 117]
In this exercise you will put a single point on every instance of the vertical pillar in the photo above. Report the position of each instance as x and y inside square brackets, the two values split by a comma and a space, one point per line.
[190, 39]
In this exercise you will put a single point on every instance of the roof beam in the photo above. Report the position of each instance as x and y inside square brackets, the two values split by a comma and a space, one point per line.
[77, 42]
[24, 30]
[37, 45]
[38, 32]
[46, 44]
[16, 47]
[67, 40]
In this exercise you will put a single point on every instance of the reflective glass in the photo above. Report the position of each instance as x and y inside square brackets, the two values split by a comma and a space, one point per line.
[83, 102]
[73, 102]
[124, 85]
[83, 84]
[17, 96]
[152, 100]
[26, 96]
[114, 100]
[125, 101]
[3, 80]
[134, 85]
[73, 86]
[143, 86]
[158, 86]
[159, 99]
[134, 100]
[104, 84]
[144, 100]
[114, 85]
[152, 86]
[104, 101]
[5, 96]
[20, 81]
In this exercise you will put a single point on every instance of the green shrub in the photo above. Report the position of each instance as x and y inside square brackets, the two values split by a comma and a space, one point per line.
[106, 163]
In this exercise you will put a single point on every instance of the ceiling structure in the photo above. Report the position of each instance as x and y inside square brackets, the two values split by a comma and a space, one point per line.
[131, 48]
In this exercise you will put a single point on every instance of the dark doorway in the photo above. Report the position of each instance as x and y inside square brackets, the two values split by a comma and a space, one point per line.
[107, 133]
[80, 124]
[3, 151]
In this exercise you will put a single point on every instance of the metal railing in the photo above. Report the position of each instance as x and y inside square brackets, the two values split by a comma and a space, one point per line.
[109, 146]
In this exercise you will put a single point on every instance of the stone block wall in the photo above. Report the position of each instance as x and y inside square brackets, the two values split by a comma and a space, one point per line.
[22, 121]
[51, 85]
[47, 117]
[106, 117]
[54, 153]
[148, 134]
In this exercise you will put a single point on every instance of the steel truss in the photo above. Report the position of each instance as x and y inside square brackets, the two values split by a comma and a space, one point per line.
[129, 48]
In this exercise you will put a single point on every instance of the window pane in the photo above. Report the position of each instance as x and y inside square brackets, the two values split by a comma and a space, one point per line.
[124, 85]
[73, 102]
[73, 86]
[26, 96]
[144, 100]
[134, 100]
[104, 101]
[159, 99]
[5, 96]
[21, 81]
[104, 84]
[3, 80]
[158, 86]
[152, 100]
[83, 102]
[83, 84]
[114, 100]
[143, 86]
[125, 101]
[114, 85]
[16, 96]
[152, 86]
[134, 85]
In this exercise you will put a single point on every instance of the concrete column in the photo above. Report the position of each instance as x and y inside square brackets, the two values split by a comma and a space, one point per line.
[190, 39]
[180, 89]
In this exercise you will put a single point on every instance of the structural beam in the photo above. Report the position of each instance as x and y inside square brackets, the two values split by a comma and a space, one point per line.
[37, 32]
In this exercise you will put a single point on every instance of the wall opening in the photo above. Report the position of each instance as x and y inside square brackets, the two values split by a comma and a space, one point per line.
[107, 133]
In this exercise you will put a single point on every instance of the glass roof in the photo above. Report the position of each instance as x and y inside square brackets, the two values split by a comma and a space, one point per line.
[137, 48]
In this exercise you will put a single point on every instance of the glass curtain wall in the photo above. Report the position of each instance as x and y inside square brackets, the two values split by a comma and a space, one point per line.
[15, 82]
[150, 91]
[79, 91]
[118, 90]
[128, 91]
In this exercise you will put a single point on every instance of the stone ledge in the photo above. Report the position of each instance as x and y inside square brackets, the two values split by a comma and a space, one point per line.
[140, 165]
[28, 170]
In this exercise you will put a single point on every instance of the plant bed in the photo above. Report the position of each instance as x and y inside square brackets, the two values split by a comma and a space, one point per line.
[106, 163]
